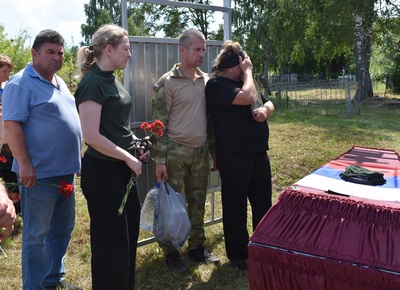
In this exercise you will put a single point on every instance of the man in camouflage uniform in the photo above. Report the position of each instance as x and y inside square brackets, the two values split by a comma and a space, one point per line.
[181, 154]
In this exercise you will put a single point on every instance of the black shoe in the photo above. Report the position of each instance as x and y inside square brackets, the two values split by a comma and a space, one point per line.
[241, 265]
[202, 255]
[63, 285]
[174, 262]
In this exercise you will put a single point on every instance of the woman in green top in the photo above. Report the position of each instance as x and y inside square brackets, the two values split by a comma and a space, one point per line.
[104, 107]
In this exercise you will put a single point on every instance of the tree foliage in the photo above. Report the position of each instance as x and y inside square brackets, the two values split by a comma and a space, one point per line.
[99, 12]
[172, 21]
[68, 71]
[386, 40]
[303, 35]
[307, 37]
[326, 37]
[16, 48]
[20, 54]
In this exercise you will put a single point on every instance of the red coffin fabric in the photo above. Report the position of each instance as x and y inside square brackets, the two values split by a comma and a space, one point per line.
[283, 270]
[312, 240]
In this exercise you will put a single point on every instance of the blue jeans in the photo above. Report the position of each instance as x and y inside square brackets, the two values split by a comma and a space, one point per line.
[48, 220]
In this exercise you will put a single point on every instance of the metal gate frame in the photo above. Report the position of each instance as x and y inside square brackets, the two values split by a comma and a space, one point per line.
[151, 58]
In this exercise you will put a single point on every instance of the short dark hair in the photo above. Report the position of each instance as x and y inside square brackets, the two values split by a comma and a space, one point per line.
[47, 36]
[185, 38]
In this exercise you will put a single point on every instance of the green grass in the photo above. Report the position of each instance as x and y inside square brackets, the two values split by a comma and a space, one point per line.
[299, 144]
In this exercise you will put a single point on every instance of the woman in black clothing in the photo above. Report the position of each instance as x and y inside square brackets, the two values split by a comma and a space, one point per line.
[109, 160]
[238, 139]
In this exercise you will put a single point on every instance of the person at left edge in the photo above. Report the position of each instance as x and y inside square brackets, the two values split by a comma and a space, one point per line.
[44, 134]
[7, 214]
[104, 107]
[6, 174]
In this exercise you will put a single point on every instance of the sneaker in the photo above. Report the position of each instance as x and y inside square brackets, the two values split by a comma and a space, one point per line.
[202, 255]
[174, 262]
[63, 285]
[241, 265]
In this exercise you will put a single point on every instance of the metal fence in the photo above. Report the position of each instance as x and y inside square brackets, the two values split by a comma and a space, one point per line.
[151, 58]
[320, 97]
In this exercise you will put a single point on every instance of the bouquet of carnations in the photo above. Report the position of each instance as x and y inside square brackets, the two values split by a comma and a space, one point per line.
[142, 146]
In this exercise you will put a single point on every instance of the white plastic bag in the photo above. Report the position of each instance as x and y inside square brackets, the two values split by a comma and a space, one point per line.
[148, 209]
[171, 222]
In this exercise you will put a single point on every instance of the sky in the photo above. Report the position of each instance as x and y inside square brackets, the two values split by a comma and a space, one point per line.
[64, 16]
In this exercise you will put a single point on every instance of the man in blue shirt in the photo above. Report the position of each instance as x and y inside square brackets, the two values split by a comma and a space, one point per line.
[44, 134]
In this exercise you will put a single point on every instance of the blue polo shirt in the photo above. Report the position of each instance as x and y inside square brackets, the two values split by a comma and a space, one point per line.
[49, 120]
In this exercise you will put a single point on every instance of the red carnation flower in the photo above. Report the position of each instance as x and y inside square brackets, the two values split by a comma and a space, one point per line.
[65, 188]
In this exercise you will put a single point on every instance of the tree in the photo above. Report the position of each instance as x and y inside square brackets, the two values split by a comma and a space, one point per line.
[171, 20]
[201, 18]
[68, 71]
[364, 17]
[137, 24]
[311, 35]
[251, 28]
[16, 48]
[385, 60]
[99, 12]
[20, 55]
[298, 33]
[174, 20]
[302, 36]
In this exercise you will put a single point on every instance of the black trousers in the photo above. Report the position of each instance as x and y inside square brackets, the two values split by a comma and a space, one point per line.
[113, 237]
[243, 177]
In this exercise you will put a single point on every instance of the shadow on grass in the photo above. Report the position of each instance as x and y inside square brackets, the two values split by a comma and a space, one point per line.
[156, 276]
[224, 277]
[152, 273]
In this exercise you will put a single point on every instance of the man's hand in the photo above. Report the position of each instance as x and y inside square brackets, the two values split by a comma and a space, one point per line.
[161, 172]
[214, 163]
[7, 214]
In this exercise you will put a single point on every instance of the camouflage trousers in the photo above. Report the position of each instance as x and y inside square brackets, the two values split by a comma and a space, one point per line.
[188, 170]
